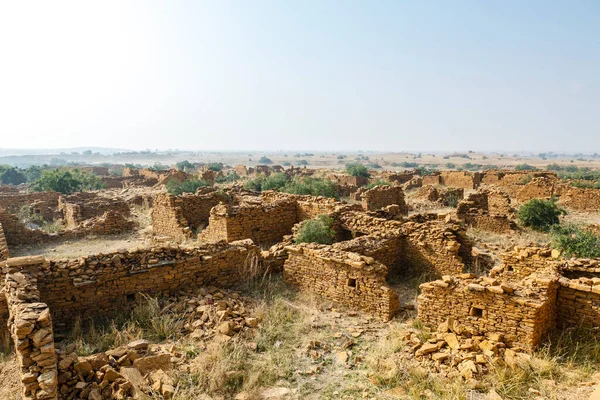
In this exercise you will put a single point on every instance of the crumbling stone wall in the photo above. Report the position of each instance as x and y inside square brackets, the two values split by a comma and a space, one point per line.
[385, 250]
[428, 246]
[263, 222]
[344, 277]
[41, 203]
[3, 245]
[460, 179]
[537, 188]
[382, 196]
[399, 177]
[17, 233]
[31, 329]
[437, 194]
[104, 283]
[433, 180]
[79, 207]
[476, 212]
[579, 294]
[486, 306]
[581, 199]
[168, 219]
[179, 216]
[523, 261]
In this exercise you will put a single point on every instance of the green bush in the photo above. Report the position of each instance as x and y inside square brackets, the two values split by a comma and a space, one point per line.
[302, 162]
[184, 165]
[525, 167]
[265, 160]
[573, 241]
[11, 175]
[176, 188]
[316, 230]
[540, 215]
[356, 169]
[374, 166]
[66, 181]
[311, 186]
[215, 166]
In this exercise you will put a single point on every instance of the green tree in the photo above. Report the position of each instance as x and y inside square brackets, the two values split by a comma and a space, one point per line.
[356, 169]
[265, 160]
[11, 175]
[184, 165]
[66, 181]
[539, 214]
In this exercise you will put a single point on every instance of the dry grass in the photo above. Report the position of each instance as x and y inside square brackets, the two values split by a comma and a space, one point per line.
[554, 371]
[147, 320]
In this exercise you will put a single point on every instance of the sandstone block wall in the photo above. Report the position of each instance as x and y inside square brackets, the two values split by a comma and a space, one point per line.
[179, 216]
[461, 179]
[385, 250]
[428, 246]
[581, 199]
[347, 278]
[484, 306]
[578, 303]
[433, 180]
[31, 330]
[3, 245]
[168, 219]
[579, 293]
[486, 210]
[17, 233]
[42, 203]
[104, 283]
[537, 188]
[382, 196]
[524, 261]
[265, 223]
[79, 207]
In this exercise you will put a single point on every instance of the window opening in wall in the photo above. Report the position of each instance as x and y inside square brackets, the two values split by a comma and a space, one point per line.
[476, 312]
[510, 268]
[131, 298]
[352, 282]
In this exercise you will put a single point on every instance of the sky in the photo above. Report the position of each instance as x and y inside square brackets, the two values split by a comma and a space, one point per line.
[323, 75]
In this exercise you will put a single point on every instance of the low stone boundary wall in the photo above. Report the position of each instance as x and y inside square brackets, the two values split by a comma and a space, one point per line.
[3, 245]
[347, 278]
[486, 306]
[105, 283]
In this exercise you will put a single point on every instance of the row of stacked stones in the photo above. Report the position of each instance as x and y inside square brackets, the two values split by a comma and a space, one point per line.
[486, 210]
[31, 329]
[444, 196]
[3, 245]
[263, 222]
[168, 218]
[523, 312]
[382, 196]
[345, 277]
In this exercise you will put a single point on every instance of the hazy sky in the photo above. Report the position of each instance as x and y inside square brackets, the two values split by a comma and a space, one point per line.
[318, 75]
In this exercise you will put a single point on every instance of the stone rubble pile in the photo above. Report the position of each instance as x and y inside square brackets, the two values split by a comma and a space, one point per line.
[141, 368]
[455, 350]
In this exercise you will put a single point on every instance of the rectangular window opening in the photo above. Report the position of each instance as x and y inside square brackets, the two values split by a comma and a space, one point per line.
[476, 312]
[352, 282]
